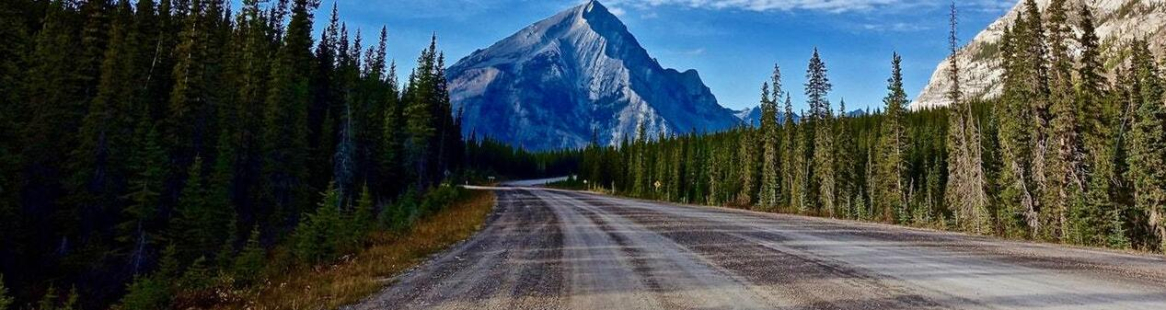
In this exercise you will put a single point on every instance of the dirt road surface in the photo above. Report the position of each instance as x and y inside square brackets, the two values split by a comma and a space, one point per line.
[552, 249]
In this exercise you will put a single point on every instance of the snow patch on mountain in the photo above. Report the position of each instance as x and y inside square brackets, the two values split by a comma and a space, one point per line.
[574, 76]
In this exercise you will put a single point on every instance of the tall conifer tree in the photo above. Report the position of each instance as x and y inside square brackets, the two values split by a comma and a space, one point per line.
[771, 144]
[285, 121]
[891, 160]
[1147, 158]
[966, 188]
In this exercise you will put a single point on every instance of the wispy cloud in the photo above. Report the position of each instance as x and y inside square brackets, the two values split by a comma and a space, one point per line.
[694, 52]
[834, 6]
[618, 11]
[895, 27]
[684, 53]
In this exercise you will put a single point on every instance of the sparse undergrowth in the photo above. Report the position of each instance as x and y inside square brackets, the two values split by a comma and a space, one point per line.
[358, 276]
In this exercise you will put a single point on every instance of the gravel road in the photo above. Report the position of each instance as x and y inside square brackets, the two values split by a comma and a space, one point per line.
[553, 249]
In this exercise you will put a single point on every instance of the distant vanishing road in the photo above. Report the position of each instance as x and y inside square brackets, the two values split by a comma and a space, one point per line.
[552, 249]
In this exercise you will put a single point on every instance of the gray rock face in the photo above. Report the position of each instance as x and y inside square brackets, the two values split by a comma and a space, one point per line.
[575, 75]
[1118, 22]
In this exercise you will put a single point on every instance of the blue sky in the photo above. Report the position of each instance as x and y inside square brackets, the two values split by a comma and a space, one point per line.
[732, 43]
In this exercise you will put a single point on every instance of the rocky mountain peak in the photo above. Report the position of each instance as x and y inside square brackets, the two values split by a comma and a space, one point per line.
[1117, 21]
[576, 74]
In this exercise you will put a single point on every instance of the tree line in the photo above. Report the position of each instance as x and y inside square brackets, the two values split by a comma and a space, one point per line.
[158, 153]
[1067, 154]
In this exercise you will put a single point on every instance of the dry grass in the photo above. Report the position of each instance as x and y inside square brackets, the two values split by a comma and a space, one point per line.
[364, 274]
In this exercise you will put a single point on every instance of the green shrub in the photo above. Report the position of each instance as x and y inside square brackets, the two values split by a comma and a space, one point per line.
[439, 198]
[320, 235]
[1117, 233]
[248, 266]
[197, 277]
[362, 219]
[5, 301]
[71, 301]
[49, 300]
[400, 215]
[147, 293]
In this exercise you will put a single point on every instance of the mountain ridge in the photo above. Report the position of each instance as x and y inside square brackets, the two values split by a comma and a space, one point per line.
[1118, 21]
[576, 75]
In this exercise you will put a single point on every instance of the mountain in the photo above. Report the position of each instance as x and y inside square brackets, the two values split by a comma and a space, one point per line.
[574, 76]
[750, 116]
[1118, 21]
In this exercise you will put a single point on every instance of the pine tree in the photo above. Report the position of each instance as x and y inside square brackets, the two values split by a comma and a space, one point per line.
[748, 164]
[15, 33]
[771, 144]
[221, 214]
[345, 159]
[422, 109]
[1018, 190]
[789, 153]
[155, 290]
[825, 167]
[189, 108]
[320, 235]
[1025, 145]
[185, 228]
[70, 300]
[53, 105]
[966, 186]
[1063, 174]
[1116, 236]
[820, 136]
[139, 217]
[1097, 113]
[1147, 160]
[844, 163]
[327, 88]
[891, 191]
[392, 156]
[676, 173]
[109, 123]
[660, 171]
[933, 191]
[801, 198]
[202, 220]
[94, 39]
[285, 121]
[363, 218]
[151, 25]
[639, 173]
[871, 182]
[197, 277]
[248, 266]
[817, 88]
[1033, 59]
[98, 162]
[5, 300]
[49, 300]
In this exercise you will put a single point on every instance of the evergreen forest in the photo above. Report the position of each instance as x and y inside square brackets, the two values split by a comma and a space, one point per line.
[1068, 154]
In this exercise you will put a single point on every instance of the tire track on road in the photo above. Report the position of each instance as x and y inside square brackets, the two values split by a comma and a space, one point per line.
[554, 249]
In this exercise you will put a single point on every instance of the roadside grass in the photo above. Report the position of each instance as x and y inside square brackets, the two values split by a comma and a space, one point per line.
[357, 277]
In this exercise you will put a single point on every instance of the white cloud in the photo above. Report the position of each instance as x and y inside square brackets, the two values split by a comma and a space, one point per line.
[835, 6]
[771, 5]
[694, 52]
[895, 27]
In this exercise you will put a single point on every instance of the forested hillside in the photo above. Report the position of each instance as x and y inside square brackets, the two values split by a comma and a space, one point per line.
[179, 150]
[1066, 155]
